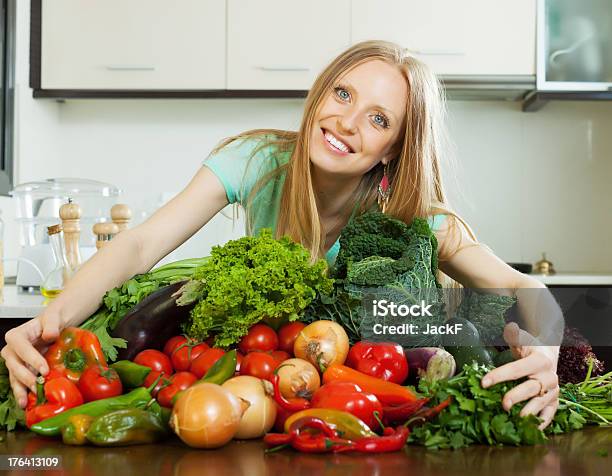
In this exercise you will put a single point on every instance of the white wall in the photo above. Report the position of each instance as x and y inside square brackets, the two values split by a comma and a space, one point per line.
[526, 182]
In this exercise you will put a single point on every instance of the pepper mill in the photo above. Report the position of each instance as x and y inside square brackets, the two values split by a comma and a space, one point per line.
[104, 232]
[121, 216]
[70, 213]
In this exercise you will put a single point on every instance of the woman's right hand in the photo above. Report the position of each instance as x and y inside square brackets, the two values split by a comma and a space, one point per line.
[23, 351]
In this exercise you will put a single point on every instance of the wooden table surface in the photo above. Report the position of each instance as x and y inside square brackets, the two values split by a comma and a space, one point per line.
[575, 454]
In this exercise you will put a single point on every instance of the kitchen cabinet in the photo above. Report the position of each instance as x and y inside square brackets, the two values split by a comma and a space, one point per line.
[283, 44]
[135, 44]
[470, 37]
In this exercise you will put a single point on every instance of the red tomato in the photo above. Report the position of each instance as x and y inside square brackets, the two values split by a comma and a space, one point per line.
[350, 398]
[155, 360]
[205, 361]
[260, 337]
[99, 382]
[186, 353]
[172, 343]
[259, 364]
[179, 381]
[287, 335]
[280, 355]
[153, 374]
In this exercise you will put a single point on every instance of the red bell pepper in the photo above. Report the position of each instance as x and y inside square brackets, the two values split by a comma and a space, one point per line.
[74, 351]
[54, 394]
[349, 397]
[385, 361]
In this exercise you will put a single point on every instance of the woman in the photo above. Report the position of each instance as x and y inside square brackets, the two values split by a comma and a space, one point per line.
[370, 133]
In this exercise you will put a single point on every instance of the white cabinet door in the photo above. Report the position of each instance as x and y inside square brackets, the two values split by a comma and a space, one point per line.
[455, 37]
[133, 44]
[283, 44]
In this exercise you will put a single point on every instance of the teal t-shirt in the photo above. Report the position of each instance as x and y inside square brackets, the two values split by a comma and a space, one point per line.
[239, 169]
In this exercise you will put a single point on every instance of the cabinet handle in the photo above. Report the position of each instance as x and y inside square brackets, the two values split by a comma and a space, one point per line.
[113, 67]
[438, 52]
[283, 68]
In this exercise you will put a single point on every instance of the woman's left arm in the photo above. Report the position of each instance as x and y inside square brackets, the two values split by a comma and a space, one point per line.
[536, 348]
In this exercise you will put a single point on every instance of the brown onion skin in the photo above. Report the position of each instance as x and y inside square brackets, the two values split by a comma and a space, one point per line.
[259, 417]
[322, 343]
[207, 415]
[298, 378]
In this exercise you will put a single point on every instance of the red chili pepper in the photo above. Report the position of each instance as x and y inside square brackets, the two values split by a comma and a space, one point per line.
[385, 361]
[290, 405]
[348, 397]
[401, 413]
[392, 440]
[53, 396]
[320, 444]
[277, 439]
[427, 413]
[327, 440]
[74, 351]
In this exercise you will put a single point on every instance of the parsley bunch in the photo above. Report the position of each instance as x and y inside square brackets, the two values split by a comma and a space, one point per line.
[475, 415]
[249, 280]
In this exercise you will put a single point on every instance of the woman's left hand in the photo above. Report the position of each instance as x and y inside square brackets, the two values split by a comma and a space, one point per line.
[535, 361]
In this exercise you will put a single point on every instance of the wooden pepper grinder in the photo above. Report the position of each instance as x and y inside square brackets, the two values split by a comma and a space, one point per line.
[104, 232]
[70, 213]
[121, 216]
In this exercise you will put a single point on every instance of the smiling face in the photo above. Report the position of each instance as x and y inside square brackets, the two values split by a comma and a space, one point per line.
[360, 120]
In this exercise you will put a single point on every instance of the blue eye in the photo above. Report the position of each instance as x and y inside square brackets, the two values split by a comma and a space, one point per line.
[342, 93]
[381, 120]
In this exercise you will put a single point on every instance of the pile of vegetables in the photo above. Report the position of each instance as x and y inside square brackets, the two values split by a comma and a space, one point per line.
[271, 347]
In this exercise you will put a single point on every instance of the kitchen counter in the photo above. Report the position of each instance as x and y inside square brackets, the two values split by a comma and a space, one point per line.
[575, 279]
[20, 305]
[579, 453]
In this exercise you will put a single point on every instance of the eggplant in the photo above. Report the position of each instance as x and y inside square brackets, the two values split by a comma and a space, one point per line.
[150, 323]
[431, 363]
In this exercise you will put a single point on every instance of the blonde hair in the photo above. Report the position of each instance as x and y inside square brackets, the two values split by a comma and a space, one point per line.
[417, 189]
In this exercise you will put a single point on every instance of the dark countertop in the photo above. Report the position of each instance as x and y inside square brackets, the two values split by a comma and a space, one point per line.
[574, 454]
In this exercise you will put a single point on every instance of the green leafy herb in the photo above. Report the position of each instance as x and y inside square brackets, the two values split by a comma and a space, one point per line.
[249, 280]
[475, 416]
[11, 414]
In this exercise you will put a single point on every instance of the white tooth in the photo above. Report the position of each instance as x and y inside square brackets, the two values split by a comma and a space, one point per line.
[336, 142]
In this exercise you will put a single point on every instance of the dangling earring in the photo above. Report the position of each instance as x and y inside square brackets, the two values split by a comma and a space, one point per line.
[384, 189]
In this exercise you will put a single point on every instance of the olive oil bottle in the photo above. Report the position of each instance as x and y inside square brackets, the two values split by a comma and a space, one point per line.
[55, 280]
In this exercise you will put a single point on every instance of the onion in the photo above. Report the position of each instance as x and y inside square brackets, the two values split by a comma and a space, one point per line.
[260, 416]
[322, 343]
[207, 415]
[298, 378]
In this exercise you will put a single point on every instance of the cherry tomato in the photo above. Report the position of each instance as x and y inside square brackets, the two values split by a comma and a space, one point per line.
[153, 374]
[172, 343]
[280, 355]
[259, 364]
[287, 335]
[348, 397]
[99, 382]
[260, 337]
[155, 360]
[186, 353]
[178, 382]
[205, 361]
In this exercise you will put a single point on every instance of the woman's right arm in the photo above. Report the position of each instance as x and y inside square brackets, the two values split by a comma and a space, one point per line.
[131, 252]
